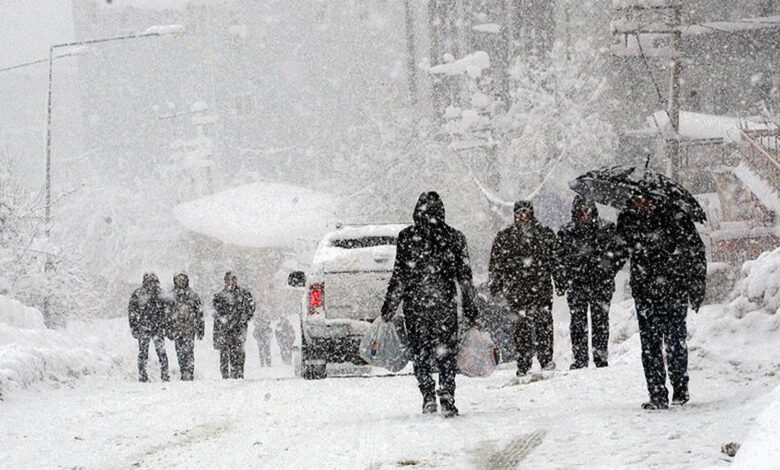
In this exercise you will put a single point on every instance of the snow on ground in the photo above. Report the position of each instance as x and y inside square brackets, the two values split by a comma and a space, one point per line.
[761, 449]
[582, 419]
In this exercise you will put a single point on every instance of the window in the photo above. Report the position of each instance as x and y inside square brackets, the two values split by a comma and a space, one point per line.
[363, 242]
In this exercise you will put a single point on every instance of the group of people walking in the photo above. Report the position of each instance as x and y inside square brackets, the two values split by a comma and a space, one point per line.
[528, 264]
[179, 317]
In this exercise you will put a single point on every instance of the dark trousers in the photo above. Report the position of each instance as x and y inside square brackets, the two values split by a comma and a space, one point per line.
[580, 298]
[662, 324]
[143, 355]
[433, 340]
[533, 334]
[231, 359]
[185, 353]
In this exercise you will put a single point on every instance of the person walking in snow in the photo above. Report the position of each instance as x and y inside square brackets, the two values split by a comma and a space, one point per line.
[431, 261]
[589, 255]
[233, 308]
[668, 273]
[186, 324]
[148, 318]
[285, 337]
[262, 334]
[523, 261]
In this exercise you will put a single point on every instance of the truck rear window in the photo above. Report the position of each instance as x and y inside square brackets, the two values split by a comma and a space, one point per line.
[362, 242]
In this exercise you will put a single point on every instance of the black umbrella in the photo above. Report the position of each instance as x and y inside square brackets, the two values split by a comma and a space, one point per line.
[615, 186]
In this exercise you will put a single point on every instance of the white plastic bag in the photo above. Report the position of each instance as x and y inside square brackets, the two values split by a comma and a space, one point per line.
[478, 355]
[385, 346]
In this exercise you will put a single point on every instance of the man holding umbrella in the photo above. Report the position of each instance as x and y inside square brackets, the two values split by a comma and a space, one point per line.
[668, 267]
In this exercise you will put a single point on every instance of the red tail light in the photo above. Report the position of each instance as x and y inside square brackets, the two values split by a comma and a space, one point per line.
[316, 297]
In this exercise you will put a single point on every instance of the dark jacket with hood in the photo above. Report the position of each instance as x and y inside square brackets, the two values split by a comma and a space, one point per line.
[147, 310]
[590, 253]
[431, 261]
[523, 261]
[668, 259]
[232, 311]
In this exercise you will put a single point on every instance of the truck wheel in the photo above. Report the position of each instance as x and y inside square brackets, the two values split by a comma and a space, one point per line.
[313, 369]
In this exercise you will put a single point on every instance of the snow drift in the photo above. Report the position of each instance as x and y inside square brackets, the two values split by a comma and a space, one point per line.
[30, 353]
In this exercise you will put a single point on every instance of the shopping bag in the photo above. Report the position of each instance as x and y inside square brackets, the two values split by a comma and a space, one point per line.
[385, 345]
[478, 355]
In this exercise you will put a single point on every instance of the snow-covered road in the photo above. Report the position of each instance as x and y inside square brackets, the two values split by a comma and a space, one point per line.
[582, 419]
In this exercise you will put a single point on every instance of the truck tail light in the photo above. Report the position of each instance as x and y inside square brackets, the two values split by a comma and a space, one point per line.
[316, 297]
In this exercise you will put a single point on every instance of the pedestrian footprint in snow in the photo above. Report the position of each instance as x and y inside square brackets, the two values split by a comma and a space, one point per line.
[590, 255]
[149, 323]
[523, 261]
[186, 320]
[233, 308]
[668, 272]
[431, 261]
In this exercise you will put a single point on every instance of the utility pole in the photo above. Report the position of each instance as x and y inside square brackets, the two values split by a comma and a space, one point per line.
[411, 51]
[673, 143]
[635, 19]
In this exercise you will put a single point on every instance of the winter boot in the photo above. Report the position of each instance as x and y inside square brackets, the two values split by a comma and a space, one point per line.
[549, 366]
[655, 405]
[578, 365]
[447, 402]
[429, 404]
[681, 397]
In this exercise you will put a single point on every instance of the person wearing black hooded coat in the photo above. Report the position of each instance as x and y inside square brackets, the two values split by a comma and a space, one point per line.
[523, 262]
[431, 261]
[668, 273]
[148, 316]
[589, 255]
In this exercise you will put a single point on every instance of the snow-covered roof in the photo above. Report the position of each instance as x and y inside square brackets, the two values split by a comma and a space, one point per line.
[360, 231]
[709, 126]
[745, 24]
[261, 215]
[472, 64]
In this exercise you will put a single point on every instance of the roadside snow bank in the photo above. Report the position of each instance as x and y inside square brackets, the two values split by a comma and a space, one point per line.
[759, 290]
[31, 353]
[760, 451]
[14, 313]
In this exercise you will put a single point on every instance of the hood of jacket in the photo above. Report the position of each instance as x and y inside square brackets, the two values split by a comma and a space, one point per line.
[429, 212]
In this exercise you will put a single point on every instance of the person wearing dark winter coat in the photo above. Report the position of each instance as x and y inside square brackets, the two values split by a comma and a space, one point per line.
[148, 318]
[523, 261]
[233, 308]
[431, 261]
[589, 255]
[668, 273]
[186, 324]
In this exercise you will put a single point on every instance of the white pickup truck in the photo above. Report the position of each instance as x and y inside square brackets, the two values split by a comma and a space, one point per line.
[343, 293]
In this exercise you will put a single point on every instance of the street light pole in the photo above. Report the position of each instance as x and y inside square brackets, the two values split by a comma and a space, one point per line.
[155, 31]
[47, 218]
